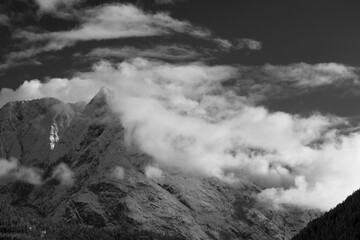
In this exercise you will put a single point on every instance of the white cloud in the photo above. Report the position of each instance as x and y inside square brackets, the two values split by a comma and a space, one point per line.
[326, 177]
[307, 75]
[28, 56]
[12, 169]
[224, 44]
[64, 89]
[119, 173]
[108, 21]
[186, 118]
[239, 44]
[248, 43]
[52, 5]
[7, 166]
[267, 82]
[24, 57]
[153, 172]
[183, 116]
[116, 21]
[64, 174]
[165, 52]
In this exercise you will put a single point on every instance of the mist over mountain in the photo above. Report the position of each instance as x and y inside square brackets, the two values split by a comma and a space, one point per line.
[89, 175]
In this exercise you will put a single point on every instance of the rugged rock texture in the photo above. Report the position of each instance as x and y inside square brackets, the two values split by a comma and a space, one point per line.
[29, 130]
[90, 140]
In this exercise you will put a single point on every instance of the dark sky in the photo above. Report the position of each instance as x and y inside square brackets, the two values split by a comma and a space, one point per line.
[290, 32]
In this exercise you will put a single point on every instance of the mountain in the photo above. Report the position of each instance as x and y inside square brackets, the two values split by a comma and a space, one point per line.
[26, 128]
[340, 223]
[92, 179]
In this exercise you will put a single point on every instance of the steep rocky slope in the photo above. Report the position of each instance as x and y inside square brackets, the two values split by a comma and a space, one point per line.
[111, 187]
[30, 130]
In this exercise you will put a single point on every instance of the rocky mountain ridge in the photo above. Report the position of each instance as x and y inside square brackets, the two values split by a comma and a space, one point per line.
[110, 187]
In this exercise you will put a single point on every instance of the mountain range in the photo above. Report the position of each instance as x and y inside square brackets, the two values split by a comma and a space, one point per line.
[71, 164]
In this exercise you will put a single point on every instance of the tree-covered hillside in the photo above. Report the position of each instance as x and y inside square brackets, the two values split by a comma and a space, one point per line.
[340, 223]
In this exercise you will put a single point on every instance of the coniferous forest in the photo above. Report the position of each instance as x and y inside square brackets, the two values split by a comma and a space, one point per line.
[340, 223]
[22, 224]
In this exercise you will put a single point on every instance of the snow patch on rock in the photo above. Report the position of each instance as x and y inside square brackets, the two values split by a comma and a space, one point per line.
[54, 137]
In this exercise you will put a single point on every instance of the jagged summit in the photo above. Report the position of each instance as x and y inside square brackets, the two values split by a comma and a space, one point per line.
[104, 96]
[100, 103]
[37, 101]
[28, 108]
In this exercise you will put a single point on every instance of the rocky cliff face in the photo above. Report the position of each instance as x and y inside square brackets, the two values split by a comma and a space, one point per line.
[110, 186]
[30, 130]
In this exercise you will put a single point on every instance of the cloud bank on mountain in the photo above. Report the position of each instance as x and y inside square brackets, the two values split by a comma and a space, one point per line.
[186, 116]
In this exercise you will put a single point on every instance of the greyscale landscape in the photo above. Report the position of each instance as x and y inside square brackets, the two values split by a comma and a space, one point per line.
[179, 119]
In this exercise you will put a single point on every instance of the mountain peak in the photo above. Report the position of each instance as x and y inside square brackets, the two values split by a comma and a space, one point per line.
[104, 95]
[100, 103]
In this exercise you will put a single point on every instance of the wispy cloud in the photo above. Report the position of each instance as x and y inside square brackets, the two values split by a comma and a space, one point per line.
[164, 52]
[118, 173]
[105, 22]
[307, 75]
[117, 21]
[153, 172]
[261, 83]
[64, 174]
[239, 44]
[22, 57]
[13, 170]
[248, 43]
[53, 5]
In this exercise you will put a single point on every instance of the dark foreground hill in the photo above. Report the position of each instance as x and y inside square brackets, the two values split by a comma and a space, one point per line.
[340, 223]
[109, 194]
